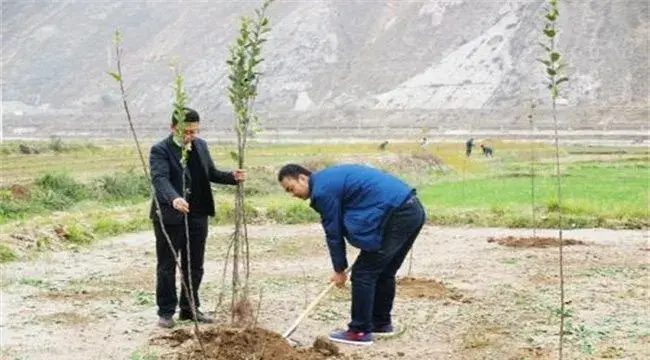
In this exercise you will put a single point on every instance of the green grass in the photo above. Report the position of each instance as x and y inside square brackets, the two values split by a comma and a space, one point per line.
[97, 191]
[594, 194]
[6, 254]
[594, 186]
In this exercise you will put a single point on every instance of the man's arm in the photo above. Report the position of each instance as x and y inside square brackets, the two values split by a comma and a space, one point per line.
[218, 176]
[330, 210]
[159, 167]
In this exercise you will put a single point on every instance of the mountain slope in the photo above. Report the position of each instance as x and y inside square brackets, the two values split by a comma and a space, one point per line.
[366, 57]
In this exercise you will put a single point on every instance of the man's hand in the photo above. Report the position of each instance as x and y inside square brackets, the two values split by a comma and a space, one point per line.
[181, 205]
[240, 175]
[339, 279]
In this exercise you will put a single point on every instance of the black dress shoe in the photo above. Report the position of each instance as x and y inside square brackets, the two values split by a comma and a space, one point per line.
[200, 317]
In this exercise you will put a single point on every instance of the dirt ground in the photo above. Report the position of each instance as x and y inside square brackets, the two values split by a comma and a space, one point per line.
[466, 298]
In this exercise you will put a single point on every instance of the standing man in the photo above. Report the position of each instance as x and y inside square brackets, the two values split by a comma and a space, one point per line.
[469, 144]
[166, 175]
[377, 213]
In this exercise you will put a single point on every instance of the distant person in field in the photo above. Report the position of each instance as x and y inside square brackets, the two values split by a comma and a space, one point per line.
[487, 151]
[166, 175]
[375, 212]
[469, 144]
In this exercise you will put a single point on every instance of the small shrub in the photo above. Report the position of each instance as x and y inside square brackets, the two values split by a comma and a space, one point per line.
[225, 213]
[122, 186]
[294, 213]
[76, 234]
[6, 254]
[56, 144]
[51, 200]
[518, 221]
[62, 184]
[10, 209]
[107, 226]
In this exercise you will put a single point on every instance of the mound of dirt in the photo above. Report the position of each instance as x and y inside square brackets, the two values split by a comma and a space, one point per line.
[397, 162]
[408, 162]
[20, 192]
[427, 289]
[533, 242]
[222, 343]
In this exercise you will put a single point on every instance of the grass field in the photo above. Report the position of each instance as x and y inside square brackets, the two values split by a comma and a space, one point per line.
[97, 190]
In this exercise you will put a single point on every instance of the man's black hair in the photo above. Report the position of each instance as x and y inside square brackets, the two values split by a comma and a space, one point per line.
[190, 116]
[292, 171]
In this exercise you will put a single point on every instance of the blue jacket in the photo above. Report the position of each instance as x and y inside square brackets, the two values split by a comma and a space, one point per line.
[354, 201]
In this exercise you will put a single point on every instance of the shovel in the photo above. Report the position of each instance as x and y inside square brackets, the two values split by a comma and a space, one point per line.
[310, 308]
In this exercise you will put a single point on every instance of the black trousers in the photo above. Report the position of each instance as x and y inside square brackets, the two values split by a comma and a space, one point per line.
[373, 273]
[166, 298]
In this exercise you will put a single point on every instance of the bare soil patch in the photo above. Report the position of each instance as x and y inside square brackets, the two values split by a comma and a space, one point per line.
[533, 353]
[429, 289]
[222, 343]
[98, 302]
[64, 319]
[533, 242]
[80, 294]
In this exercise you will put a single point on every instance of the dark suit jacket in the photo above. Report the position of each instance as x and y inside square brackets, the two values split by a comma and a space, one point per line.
[166, 176]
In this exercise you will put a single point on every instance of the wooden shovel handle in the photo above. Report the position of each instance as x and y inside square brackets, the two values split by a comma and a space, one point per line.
[310, 308]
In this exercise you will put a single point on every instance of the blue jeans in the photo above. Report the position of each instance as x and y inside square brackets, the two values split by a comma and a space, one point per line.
[373, 273]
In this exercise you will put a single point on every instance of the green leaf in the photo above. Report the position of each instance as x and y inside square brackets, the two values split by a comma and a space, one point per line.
[117, 38]
[551, 71]
[561, 80]
[555, 56]
[115, 76]
[550, 33]
[551, 17]
[545, 62]
[234, 156]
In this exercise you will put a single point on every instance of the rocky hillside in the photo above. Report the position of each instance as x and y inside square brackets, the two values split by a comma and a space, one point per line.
[403, 63]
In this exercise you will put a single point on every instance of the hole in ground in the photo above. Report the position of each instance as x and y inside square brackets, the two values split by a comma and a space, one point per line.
[533, 242]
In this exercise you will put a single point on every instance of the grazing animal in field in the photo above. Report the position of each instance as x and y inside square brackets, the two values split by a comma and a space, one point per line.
[487, 151]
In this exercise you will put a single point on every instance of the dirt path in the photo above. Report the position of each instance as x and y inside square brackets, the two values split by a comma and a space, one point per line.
[494, 302]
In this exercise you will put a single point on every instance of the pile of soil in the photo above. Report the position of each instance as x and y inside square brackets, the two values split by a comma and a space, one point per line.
[20, 192]
[533, 242]
[427, 289]
[223, 343]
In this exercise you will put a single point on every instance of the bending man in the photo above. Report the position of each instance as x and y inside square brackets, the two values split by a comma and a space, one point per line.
[377, 213]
